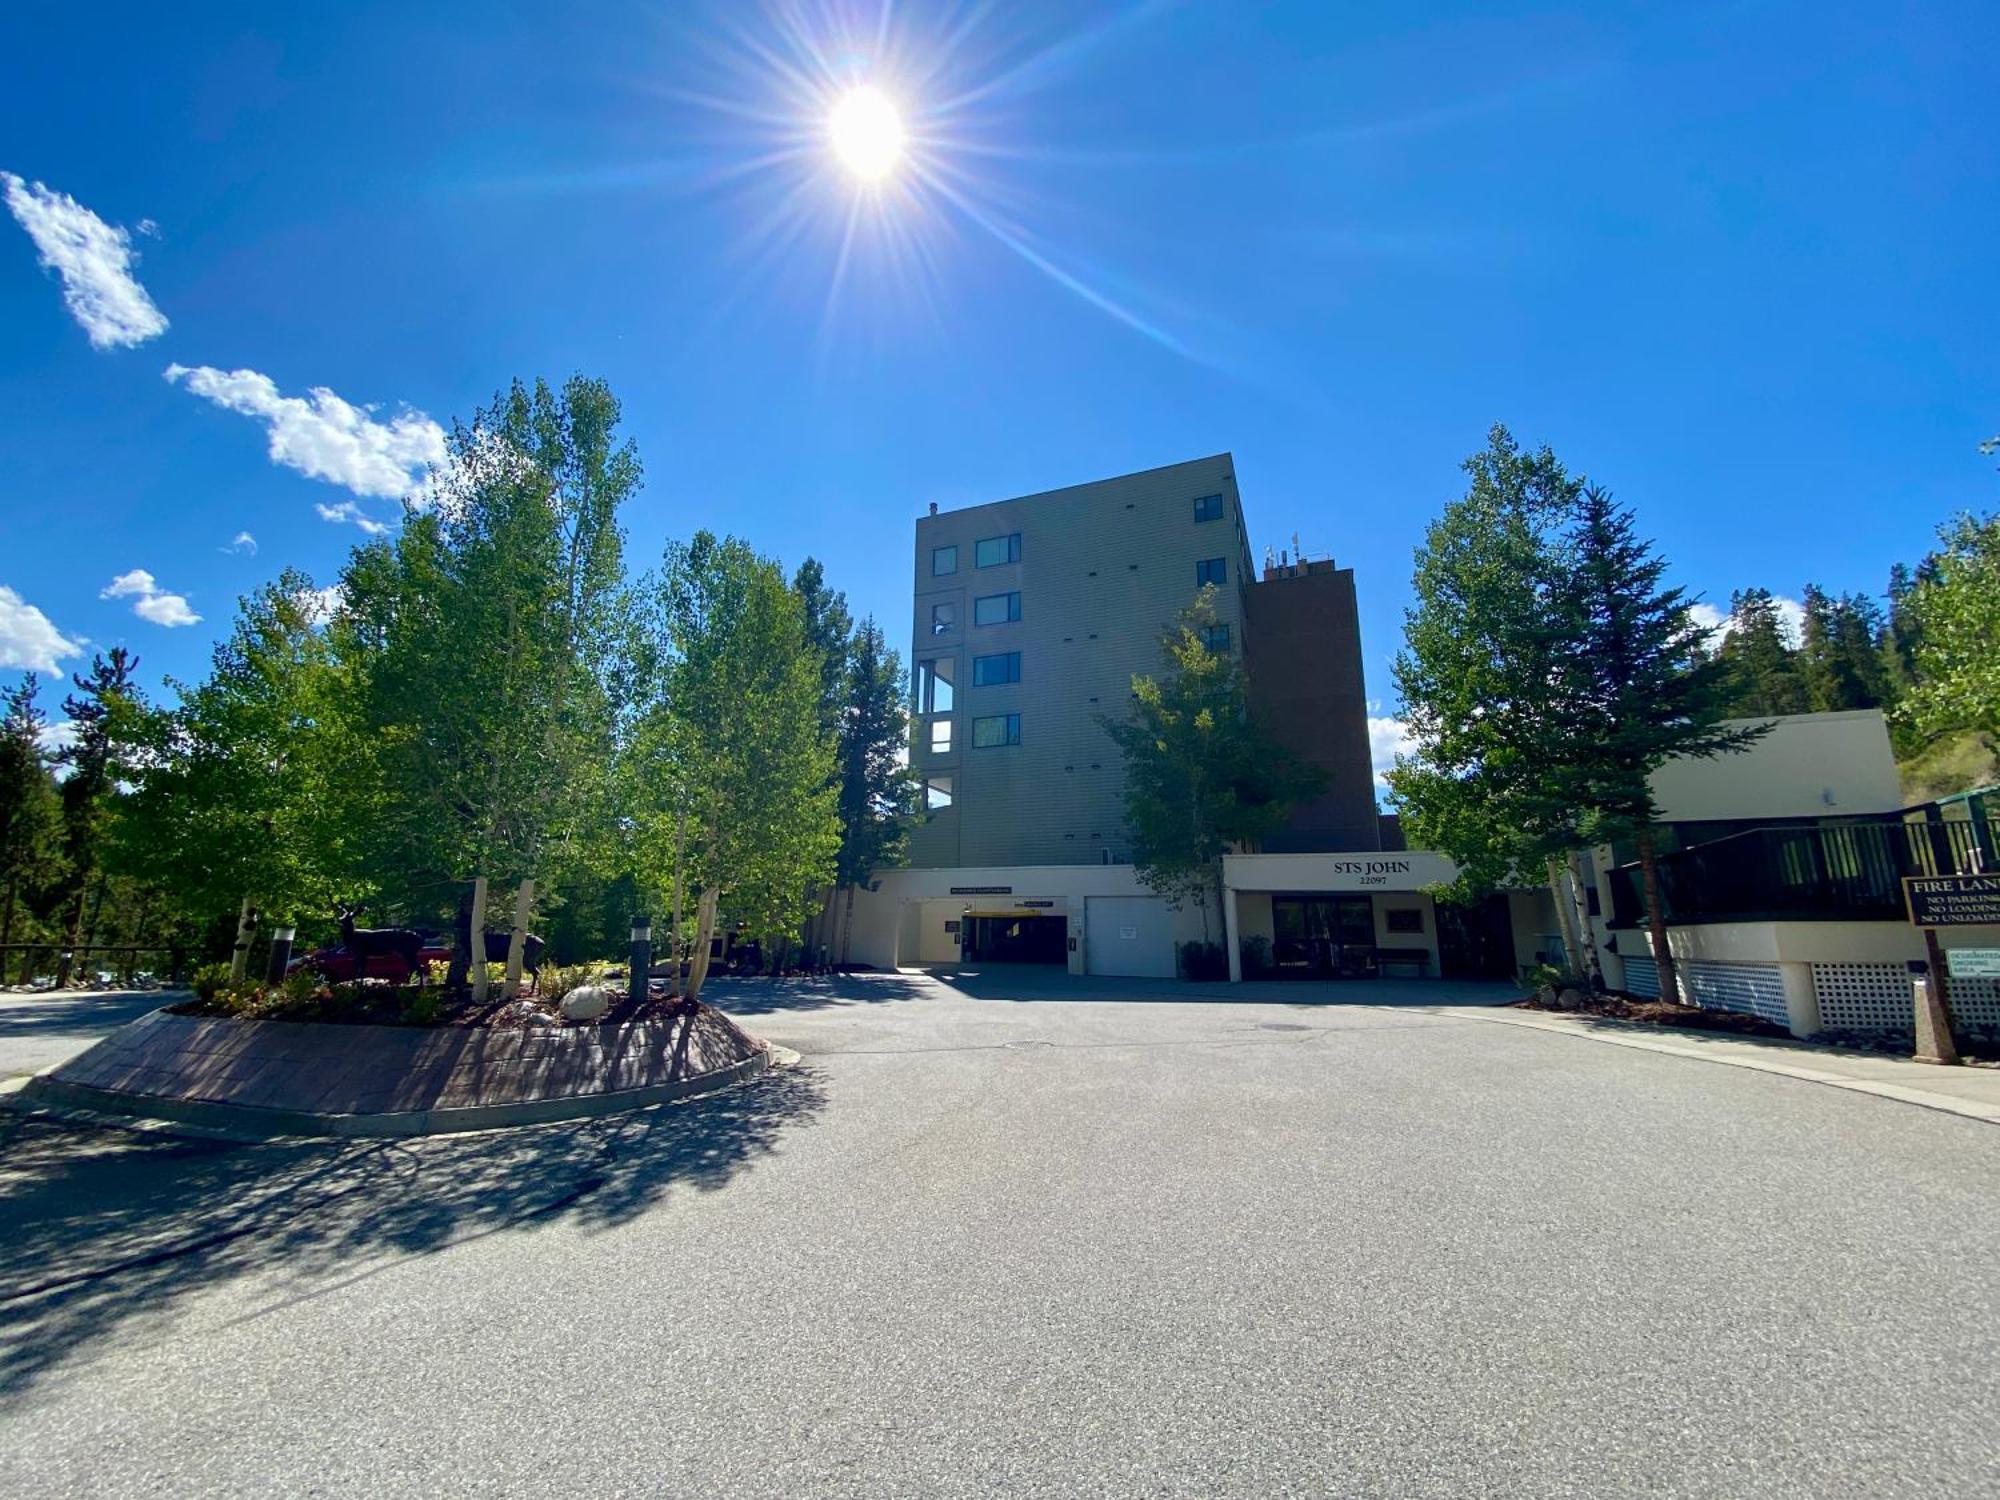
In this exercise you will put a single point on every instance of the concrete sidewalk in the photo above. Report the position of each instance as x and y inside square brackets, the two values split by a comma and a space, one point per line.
[1971, 1092]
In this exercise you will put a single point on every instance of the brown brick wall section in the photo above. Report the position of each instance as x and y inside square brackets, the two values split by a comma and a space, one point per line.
[1302, 645]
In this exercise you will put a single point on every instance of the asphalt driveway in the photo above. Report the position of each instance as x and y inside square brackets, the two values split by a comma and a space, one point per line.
[999, 1235]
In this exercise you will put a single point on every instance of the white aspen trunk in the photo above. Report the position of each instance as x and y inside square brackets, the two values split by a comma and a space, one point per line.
[704, 934]
[1565, 915]
[1580, 904]
[517, 942]
[680, 891]
[475, 940]
[246, 928]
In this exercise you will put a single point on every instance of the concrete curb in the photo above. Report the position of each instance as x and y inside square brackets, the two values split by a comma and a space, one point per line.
[51, 1098]
[1970, 1109]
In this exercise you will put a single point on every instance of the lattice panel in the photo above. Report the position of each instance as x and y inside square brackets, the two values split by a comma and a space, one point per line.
[1975, 1002]
[1863, 997]
[1754, 989]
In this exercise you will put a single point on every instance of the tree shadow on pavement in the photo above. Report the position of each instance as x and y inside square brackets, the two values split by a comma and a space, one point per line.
[107, 1231]
[757, 997]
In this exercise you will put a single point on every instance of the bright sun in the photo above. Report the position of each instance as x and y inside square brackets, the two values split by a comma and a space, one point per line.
[867, 133]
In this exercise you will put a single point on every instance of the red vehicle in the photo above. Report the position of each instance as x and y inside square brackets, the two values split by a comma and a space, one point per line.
[337, 964]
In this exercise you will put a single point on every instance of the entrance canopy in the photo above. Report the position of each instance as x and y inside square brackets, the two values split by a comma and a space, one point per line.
[1334, 914]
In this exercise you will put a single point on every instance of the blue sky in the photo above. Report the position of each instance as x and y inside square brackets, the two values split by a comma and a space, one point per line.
[1733, 260]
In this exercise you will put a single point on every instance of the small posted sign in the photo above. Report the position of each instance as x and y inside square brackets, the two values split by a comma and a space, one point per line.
[1972, 963]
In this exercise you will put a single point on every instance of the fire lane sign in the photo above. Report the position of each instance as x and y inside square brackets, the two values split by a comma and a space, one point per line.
[1952, 900]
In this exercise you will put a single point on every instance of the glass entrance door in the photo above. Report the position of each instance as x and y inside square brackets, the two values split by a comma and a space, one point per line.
[1323, 937]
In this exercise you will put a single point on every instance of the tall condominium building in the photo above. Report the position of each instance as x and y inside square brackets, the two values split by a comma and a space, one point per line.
[1031, 618]
[1033, 615]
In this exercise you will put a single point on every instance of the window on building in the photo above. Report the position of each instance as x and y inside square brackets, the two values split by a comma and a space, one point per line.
[995, 730]
[944, 618]
[996, 609]
[943, 560]
[1215, 637]
[937, 793]
[1208, 508]
[1213, 570]
[991, 671]
[941, 736]
[935, 675]
[990, 552]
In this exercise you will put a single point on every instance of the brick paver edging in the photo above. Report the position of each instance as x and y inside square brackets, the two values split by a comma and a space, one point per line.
[47, 1094]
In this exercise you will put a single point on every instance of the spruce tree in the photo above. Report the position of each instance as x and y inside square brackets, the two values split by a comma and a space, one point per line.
[1763, 675]
[1644, 688]
[101, 712]
[878, 792]
[31, 822]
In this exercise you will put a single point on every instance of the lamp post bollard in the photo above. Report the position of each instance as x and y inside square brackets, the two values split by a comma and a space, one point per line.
[642, 958]
[281, 954]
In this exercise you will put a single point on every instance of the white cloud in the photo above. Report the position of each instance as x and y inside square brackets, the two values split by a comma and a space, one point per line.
[1791, 620]
[57, 737]
[94, 260]
[242, 542]
[1387, 738]
[347, 510]
[320, 605]
[324, 437]
[27, 638]
[149, 600]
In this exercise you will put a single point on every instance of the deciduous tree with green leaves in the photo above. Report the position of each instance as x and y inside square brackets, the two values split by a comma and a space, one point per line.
[1955, 612]
[253, 789]
[1484, 678]
[1201, 778]
[730, 774]
[487, 634]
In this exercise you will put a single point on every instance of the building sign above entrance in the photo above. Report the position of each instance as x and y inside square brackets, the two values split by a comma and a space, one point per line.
[1953, 900]
[982, 890]
[1038, 903]
[1390, 870]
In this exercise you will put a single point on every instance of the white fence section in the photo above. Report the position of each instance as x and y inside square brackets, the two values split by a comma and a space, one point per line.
[1876, 997]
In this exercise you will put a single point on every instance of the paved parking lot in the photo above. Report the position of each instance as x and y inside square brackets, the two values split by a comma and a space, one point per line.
[1002, 1234]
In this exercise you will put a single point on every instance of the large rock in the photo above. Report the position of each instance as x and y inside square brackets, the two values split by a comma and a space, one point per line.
[587, 1002]
[1570, 999]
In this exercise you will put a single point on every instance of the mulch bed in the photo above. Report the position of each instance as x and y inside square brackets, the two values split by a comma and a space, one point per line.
[378, 1004]
[1979, 1051]
[1660, 1013]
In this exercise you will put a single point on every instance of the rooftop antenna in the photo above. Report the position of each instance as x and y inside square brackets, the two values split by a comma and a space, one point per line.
[1298, 550]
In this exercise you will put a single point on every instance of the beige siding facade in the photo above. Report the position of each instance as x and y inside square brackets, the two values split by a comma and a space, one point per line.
[1103, 570]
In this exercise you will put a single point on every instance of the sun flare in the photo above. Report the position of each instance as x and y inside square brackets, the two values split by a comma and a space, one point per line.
[867, 133]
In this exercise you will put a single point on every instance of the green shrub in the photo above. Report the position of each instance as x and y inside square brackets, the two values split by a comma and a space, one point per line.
[423, 1007]
[210, 980]
[558, 980]
[1256, 957]
[1203, 961]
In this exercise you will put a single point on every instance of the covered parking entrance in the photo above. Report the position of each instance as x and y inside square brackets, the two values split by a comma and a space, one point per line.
[1016, 937]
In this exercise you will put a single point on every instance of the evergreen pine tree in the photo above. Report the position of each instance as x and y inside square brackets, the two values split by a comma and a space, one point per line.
[1643, 685]
[1762, 671]
[31, 824]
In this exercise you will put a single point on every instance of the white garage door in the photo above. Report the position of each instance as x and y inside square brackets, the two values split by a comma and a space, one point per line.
[1129, 935]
